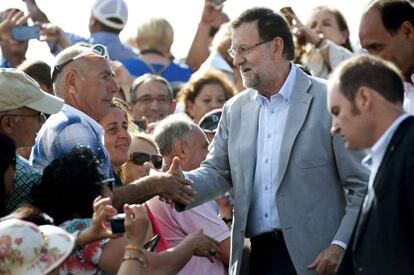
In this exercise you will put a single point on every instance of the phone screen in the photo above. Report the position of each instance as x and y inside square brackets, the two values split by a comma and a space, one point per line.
[24, 33]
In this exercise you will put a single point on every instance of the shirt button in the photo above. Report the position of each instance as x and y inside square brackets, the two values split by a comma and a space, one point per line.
[266, 215]
[266, 188]
[269, 135]
[266, 160]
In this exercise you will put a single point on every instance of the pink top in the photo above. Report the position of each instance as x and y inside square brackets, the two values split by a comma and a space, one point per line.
[176, 226]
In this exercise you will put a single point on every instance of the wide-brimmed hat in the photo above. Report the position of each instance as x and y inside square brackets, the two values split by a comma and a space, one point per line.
[26, 248]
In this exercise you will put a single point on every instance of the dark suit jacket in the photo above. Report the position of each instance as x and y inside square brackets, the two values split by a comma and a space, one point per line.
[383, 239]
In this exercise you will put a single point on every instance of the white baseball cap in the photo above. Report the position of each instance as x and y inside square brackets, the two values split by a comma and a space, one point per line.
[17, 90]
[103, 10]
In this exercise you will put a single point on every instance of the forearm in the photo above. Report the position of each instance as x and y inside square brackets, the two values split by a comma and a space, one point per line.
[172, 260]
[136, 192]
[36, 14]
[199, 49]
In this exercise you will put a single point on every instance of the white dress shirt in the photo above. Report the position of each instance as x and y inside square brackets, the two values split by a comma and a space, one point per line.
[373, 160]
[409, 96]
[263, 215]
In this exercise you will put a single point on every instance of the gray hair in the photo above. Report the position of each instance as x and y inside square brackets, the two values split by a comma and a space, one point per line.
[147, 78]
[62, 57]
[171, 129]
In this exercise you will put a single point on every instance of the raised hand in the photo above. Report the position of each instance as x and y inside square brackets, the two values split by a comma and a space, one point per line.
[136, 223]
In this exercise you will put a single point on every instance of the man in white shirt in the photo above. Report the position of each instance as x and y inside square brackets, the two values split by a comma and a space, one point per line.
[365, 98]
[387, 30]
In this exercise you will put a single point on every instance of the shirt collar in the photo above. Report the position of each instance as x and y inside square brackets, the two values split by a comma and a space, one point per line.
[98, 37]
[285, 91]
[377, 151]
[95, 125]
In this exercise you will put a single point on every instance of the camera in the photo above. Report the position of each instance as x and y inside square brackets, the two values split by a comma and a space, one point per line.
[117, 223]
[24, 32]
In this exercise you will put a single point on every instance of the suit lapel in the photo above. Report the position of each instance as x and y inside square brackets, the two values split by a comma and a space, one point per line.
[298, 110]
[380, 176]
[248, 134]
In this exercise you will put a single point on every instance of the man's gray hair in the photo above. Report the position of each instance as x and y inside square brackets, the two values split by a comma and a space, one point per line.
[62, 57]
[171, 129]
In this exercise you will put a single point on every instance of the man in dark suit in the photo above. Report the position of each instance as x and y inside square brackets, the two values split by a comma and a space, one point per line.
[365, 97]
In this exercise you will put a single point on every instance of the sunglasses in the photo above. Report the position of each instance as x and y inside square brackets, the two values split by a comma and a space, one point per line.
[140, 158]
[96, 49]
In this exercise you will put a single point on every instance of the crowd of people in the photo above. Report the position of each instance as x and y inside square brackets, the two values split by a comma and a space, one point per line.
[274, 147]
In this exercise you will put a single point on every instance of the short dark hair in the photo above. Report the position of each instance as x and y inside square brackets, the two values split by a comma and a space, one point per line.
[106, 28]
[393, 13]
[270, 24]
[69, 185]
[373, 72]
[39, 71]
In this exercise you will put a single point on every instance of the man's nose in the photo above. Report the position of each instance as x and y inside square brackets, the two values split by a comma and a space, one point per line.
[334, 129]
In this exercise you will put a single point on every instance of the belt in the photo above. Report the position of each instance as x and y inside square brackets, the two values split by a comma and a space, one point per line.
[273, 236]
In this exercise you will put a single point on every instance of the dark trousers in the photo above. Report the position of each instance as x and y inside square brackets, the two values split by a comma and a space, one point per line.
[269, 255]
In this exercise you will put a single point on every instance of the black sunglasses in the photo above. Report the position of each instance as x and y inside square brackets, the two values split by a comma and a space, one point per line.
[140, 158]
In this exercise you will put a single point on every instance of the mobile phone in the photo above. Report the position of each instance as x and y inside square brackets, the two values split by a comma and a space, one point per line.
[117, 223]
[218, 2]
[151, 244]
[24, 32]
[140, 124]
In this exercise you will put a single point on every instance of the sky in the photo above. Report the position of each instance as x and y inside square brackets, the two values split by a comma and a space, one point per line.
[184, 15]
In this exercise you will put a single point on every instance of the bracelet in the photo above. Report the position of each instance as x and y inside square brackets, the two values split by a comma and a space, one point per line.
[132, 247]
[141, 259]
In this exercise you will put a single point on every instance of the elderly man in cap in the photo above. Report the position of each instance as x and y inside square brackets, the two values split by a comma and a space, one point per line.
[22, 108]
[84, 79]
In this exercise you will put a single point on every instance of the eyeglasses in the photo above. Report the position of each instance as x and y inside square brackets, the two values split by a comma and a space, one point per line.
[96, 49]
[139, 158]
[38, 115]
[243, 49]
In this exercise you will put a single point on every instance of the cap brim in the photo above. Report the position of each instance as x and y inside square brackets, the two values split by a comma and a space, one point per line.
[48, 104]
[60, 245]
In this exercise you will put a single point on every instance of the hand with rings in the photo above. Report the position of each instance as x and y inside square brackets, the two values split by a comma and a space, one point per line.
[203, 245]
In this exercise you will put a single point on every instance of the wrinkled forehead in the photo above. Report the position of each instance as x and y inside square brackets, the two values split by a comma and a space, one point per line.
[152, 87]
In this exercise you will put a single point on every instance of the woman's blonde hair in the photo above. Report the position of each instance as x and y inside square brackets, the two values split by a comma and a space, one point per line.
[136, 135]
[156, 33]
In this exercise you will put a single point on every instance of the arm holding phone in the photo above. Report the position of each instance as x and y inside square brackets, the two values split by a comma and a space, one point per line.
[13, 19]
[212, 18]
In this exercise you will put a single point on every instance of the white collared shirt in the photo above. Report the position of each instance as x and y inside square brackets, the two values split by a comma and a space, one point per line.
[263, 215]
[373, 160]
[409, 96]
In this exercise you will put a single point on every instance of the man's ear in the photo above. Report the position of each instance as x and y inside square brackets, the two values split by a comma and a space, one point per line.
[179, 149]
[70, 82]
[278, 46]
[173, 105]
[6, 125]
[407, 30]
[364, 98]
